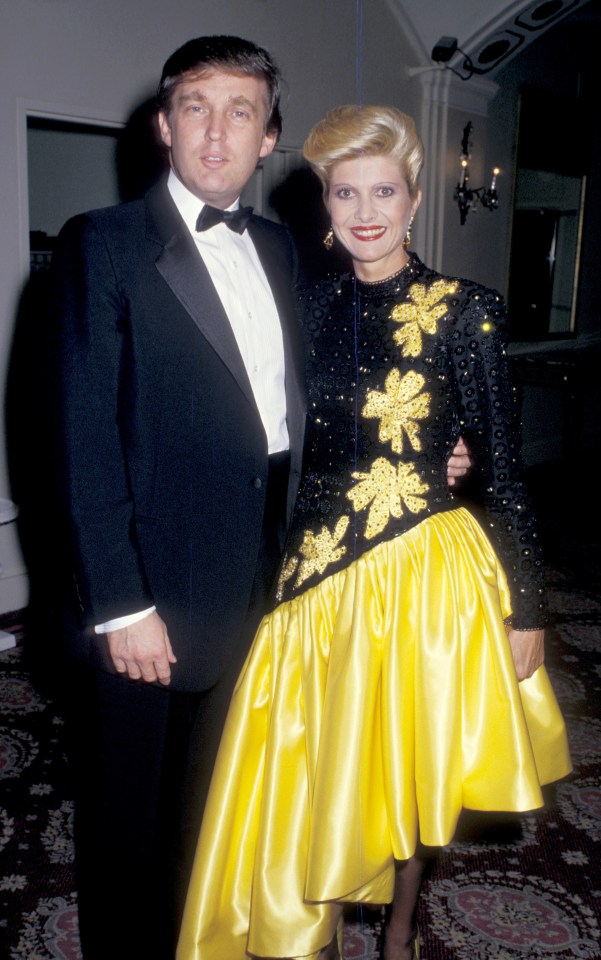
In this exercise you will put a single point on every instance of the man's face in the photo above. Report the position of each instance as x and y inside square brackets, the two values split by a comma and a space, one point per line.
[215, 131]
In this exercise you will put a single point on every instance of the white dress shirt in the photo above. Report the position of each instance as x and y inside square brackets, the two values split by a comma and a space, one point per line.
[240, 281]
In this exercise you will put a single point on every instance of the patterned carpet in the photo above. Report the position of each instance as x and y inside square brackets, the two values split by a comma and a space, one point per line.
[524, 887]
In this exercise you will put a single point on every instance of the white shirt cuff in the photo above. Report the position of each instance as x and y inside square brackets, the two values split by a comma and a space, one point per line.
[120, 622]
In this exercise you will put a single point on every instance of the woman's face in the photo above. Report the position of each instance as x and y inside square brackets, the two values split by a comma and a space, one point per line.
[370, 207]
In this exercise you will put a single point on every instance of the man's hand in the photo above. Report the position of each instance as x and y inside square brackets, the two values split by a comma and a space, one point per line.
[527, 650]
[142, 650]
[459, 463]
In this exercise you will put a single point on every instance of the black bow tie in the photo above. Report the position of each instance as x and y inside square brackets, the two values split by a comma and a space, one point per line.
[235, 219]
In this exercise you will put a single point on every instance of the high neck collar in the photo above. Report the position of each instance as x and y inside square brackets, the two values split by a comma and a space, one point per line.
[392, 284]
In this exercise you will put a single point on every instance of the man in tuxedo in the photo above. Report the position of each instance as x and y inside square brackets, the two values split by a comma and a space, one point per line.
[178, 413]
[177, 408]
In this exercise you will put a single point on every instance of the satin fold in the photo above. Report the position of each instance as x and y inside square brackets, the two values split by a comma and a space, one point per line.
[382, 699]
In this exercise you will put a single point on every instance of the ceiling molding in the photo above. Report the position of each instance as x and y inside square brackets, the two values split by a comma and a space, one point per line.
[505, 36]
[473, 97]
[504, 31]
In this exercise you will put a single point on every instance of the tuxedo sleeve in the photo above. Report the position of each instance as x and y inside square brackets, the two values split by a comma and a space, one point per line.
[87, 350]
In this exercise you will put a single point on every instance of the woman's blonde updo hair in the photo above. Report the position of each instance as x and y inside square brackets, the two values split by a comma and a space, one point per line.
[353, 131]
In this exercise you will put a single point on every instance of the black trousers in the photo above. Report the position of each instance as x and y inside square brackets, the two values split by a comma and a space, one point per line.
[142, 758]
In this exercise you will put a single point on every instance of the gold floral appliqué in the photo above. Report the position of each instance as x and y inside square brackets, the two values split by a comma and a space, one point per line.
[387, 489]
[420, 315]
[318, 551]
[398, 408]
[286, 573]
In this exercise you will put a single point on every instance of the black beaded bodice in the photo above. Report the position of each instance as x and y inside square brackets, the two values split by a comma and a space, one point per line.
[397, 371]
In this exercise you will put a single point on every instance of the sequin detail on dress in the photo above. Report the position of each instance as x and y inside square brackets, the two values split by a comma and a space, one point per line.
[387, 489]
[398, 408]
[397, 371]
[318, 551]
[426, 306]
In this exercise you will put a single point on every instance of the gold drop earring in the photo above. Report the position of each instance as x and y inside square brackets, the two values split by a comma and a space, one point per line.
[407, 239]
[328, 240]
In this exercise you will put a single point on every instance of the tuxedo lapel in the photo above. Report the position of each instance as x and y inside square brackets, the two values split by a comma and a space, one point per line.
[185, 273]
[280, 269]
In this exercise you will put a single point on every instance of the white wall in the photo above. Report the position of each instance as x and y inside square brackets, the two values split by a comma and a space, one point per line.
[100, 59]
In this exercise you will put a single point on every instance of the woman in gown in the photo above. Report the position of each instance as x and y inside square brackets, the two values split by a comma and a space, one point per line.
[399, 678]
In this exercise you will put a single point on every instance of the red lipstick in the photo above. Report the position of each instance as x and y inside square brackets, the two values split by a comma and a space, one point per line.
[367, 234]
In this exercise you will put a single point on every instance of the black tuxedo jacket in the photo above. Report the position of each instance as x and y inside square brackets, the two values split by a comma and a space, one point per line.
[161, 456]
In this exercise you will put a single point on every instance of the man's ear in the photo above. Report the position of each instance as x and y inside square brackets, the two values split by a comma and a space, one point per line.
[164, 128]
[268, 143]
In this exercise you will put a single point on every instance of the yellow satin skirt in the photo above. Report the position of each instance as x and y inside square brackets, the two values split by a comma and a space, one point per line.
[375, 705]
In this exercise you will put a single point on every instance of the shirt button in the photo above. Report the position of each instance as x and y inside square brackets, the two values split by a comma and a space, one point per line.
[257, 483]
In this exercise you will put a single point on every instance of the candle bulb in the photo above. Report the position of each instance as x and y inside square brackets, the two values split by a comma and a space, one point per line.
[495, 174]
[464, 172]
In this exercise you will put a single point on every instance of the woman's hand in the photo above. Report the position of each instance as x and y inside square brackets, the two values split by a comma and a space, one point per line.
[460, 462]
[527, 650]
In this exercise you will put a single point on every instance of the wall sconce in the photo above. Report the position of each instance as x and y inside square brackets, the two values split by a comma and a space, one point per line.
[464, 195]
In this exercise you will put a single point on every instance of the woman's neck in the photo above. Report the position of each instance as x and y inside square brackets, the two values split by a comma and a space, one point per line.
[380, 269]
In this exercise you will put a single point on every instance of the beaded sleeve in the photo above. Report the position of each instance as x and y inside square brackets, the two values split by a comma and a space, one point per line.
[489, 422]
